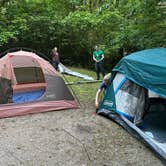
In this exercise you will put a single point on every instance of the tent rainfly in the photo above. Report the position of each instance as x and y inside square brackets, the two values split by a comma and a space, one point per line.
[30, 84]
[136, 97]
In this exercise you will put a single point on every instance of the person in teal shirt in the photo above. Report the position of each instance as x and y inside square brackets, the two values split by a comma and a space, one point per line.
[98, 57]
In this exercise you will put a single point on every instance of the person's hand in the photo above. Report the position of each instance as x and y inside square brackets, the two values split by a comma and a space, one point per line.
[97, 105]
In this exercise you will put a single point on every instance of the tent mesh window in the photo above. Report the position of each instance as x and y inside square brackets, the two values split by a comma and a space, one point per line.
[131, 88]
[26, 75]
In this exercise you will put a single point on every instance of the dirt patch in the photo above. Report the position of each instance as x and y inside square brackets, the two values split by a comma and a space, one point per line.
[70, 138]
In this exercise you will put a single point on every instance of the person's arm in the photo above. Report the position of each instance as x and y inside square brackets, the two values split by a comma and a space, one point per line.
[95, 59]
[102, 57]
[58, 57]
[97, 97]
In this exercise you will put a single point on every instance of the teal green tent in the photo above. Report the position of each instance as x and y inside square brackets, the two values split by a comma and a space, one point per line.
[136, 97]
[146, 68]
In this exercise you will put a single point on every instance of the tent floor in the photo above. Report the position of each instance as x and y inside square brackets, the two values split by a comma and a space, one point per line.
[154, 125]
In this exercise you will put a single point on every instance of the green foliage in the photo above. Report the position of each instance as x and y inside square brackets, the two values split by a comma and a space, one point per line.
[75, 26]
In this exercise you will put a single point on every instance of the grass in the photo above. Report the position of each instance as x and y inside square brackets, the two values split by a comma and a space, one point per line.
[85, 92]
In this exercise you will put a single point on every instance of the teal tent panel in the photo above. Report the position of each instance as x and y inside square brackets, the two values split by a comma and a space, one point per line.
[147, 68]
[108, 102]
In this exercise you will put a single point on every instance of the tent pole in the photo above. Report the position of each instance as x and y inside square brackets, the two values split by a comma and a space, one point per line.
[71, 89]
[83, 82]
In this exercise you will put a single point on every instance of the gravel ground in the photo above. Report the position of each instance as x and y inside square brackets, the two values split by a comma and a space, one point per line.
[70, 138]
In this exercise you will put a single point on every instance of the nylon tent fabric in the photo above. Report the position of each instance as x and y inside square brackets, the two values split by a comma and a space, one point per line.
[32, 85]
[65, 70]
[147, 68]
[130, 94]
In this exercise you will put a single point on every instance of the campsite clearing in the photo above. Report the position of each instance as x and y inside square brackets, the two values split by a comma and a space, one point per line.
[74, 137]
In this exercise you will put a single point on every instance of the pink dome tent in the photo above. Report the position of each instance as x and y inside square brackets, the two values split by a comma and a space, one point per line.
[30, 84]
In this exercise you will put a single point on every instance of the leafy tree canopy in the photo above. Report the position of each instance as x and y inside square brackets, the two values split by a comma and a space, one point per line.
[75, 26]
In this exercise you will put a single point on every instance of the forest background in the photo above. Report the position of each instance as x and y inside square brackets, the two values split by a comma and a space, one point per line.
[76, 26]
